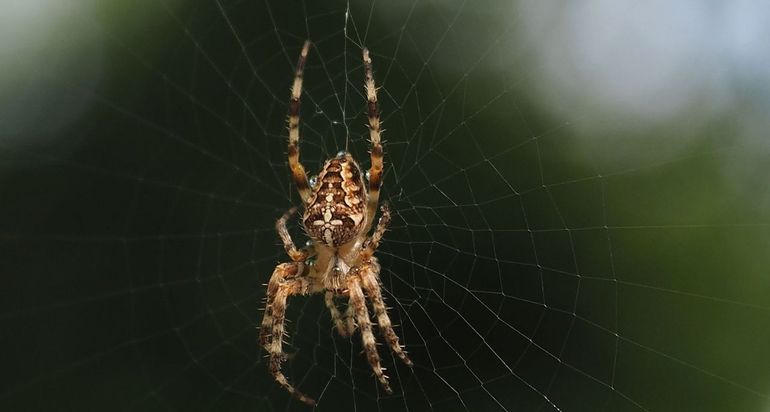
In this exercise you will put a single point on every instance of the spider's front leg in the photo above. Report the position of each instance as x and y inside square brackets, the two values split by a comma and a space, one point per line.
[370, 279]
[336, 315]
[367, 337]
[287, 280]
[347, 326]
[282, 273]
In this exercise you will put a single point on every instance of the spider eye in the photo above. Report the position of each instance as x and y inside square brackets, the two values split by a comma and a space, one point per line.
[341, 154]
[313, 181]
[367, 175]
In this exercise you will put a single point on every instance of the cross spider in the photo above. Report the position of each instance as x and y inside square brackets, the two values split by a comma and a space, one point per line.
[339, 259]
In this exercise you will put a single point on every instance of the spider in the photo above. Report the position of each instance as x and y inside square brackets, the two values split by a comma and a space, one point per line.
[339, 259]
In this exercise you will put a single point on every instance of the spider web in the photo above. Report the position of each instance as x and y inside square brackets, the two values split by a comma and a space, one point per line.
[548, 251]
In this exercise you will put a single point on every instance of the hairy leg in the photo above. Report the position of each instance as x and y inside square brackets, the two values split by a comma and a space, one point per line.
[376, 168]
[350, 318]
[373, 243]
[281, 273]
[297, 170]
[336, 315]
[287, 288]
[371, 284]
[367, 337]
[295, 254]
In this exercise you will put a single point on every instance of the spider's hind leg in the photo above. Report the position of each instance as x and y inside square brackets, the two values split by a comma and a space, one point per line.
[297, 170]
[376, 168]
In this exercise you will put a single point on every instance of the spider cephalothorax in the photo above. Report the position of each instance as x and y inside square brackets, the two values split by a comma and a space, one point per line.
[339, 260]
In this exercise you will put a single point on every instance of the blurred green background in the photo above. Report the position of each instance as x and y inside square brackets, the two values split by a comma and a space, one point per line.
[581, 209]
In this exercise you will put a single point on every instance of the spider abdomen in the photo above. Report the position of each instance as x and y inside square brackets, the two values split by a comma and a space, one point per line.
[335, 211]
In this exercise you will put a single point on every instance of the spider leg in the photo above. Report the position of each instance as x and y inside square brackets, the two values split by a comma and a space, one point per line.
[375, 170]
[280, 274]
[336, 315]
[374, 242]
[297, 170]
[283, 288]
[367, 337]
[371, 283]
[350, 318]
[295, 254]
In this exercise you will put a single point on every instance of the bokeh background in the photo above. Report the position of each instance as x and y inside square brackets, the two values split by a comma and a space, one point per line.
[582, 214]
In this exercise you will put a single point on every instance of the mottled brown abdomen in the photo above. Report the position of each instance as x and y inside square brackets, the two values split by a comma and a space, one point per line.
[336, 210]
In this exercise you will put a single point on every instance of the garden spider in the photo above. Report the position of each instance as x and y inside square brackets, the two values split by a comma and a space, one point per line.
[339, 259]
